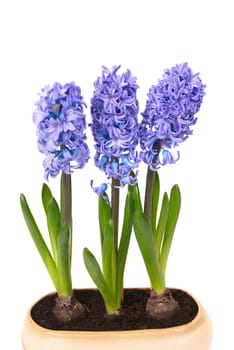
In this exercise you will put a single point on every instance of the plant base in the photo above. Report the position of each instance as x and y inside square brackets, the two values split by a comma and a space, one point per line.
[103, 333]
[162, 307]
[67, 309]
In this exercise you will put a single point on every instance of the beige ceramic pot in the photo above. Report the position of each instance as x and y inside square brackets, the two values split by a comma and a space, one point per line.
[196, 335]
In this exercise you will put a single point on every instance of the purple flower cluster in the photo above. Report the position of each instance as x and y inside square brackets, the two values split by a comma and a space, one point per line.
[114, 110]
[169, 114]
[60, 125]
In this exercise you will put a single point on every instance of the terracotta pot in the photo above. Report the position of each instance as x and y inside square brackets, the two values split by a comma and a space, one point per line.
[196, 335]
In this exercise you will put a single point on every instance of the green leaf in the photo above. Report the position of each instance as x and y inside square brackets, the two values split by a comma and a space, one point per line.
[145, 239]
[63, 265]
[104, 212]
[155, 198]
[46, 195]
[161, 226]
[173, 214]
[95, 273]
[53, 223]
[53, 216]
[124, 242]
[109, 256]
[38, 240]
[137, 198]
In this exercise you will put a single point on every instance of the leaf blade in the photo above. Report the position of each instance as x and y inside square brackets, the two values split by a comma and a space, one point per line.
[54, 224]
[63, 265]
[145, 239]
[124, 241]
[173, 214]
[109, 257]
[162, 222]
[95, 273]
[46, 195]
[38, 240]
[104, 215]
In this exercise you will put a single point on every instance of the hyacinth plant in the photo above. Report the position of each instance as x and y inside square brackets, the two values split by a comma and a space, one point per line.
[167, 121]
[60, 124]
[114, 110]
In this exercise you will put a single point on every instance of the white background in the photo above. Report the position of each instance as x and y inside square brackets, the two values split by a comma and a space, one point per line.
[46, 41]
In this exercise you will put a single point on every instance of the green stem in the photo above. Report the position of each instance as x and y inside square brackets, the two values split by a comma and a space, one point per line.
[150, 182]
[115, 208]
[66, 199]
[66, 210]
[148, 193]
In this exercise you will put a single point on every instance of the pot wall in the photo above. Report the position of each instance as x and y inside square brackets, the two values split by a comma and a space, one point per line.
[196, 335]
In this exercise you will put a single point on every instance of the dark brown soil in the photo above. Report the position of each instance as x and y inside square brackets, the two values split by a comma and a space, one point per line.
[132, 315]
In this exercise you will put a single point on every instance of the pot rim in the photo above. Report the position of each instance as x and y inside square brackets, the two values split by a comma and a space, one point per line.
[198, 319]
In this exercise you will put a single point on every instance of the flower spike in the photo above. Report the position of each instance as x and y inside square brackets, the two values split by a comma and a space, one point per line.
[170, 114]
[114, 110]
[61, 124]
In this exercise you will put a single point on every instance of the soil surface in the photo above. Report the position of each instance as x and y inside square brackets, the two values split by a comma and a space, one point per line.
[132, 314]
